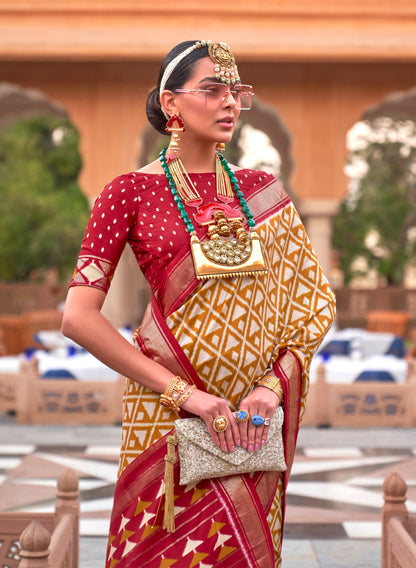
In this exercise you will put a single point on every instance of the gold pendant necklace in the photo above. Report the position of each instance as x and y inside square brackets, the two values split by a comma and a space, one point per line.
[230, 250]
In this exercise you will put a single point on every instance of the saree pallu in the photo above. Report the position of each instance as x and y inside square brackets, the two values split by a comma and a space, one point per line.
[221, 335]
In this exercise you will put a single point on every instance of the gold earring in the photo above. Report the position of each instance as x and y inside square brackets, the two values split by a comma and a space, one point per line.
[174, 126]
[220, 147]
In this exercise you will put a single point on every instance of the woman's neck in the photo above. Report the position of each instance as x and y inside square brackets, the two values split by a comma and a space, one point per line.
[197, 158]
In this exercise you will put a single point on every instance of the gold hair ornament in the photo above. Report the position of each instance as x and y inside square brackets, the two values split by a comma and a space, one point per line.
[225, 67]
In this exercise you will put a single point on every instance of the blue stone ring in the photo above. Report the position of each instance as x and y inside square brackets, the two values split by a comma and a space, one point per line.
[242, 416]
[257, 420]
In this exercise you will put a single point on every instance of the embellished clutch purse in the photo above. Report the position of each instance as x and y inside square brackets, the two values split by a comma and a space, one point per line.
[201, 459]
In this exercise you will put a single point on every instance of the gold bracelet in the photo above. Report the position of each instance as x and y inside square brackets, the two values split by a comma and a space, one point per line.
[176, 393]
[272, 383]
[175, 384]
[185, 395]
[168, 402]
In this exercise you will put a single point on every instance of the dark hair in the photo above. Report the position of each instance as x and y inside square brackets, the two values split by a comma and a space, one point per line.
[177, 79]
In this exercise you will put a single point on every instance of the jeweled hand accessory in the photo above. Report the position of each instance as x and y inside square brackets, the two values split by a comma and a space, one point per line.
[267, 421]
[242, 416]
[176, 393]
[220, 256]
[220, 424]
[185, 395]
[257, 420]
[200, 458]
[271, 382]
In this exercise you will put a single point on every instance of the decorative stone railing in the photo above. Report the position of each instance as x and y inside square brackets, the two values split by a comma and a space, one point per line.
[398, 541]
[34, 400]
[44, 540]
[361, 404]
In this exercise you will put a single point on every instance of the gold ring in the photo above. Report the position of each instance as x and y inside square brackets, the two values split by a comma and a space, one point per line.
[220, 424]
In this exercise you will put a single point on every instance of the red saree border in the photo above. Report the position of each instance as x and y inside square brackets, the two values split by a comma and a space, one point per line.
[161, 338]
[290, 379]
[230, 499]
[239, 492]
[146, 464]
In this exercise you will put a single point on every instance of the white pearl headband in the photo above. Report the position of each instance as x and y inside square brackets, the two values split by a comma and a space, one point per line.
[169, 69]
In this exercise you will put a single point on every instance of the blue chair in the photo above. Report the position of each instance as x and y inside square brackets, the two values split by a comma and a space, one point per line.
[397, 348]
[383, 376]
[336, 347]
[58, 374]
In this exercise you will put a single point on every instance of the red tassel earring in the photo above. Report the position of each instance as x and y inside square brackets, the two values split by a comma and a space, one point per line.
[174, 126]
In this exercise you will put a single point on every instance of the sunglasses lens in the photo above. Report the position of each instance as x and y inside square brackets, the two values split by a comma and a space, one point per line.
[242, 94]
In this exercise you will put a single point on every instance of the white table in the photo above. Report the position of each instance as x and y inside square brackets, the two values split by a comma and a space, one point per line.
[368, 342]
[65, 355]
[344, 370]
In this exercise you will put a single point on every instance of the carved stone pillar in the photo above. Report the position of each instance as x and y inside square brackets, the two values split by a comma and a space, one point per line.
[317, 217]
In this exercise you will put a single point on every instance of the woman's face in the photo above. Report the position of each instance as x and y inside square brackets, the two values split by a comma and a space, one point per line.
[205, 119]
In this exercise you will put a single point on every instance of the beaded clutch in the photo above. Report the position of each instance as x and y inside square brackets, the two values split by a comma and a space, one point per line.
[201, 459]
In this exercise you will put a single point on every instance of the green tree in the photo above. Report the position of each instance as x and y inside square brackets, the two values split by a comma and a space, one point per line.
[376, 223]
[42, 209]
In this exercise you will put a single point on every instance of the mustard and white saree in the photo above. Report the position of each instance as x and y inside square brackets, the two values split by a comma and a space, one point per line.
[221, 335]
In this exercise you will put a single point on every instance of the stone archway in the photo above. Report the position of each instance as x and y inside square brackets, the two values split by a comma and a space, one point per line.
[400, 105]
[17, 103]
[389, 128]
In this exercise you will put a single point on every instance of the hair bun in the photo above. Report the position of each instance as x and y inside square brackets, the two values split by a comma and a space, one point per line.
[154, 111]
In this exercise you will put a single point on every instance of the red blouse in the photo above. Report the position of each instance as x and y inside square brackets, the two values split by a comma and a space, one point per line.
[139, 209]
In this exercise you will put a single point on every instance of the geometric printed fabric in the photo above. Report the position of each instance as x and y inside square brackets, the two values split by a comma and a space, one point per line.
[145, 421]
[138, 532]
[232, 331]
[93, 271]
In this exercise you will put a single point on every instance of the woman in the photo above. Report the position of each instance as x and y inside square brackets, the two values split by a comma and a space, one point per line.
[224, 331]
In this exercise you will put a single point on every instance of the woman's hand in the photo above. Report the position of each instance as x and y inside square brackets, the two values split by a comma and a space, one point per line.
[208, 407]
[263, 402]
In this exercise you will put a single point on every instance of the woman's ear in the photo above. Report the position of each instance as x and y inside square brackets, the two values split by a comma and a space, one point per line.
[168, 102]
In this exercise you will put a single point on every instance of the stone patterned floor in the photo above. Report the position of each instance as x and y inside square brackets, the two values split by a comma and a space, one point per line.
[334, 495]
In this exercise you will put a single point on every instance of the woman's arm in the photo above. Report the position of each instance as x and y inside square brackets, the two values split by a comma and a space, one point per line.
[84, 323]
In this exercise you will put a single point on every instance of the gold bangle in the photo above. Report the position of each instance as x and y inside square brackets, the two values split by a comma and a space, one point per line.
[272, 383]
[185, 395]
[175, 384]
[176, 393]
[168, 402]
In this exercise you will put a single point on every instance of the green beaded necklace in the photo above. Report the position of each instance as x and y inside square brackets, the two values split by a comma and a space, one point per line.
[234, 182]
[218, 258]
